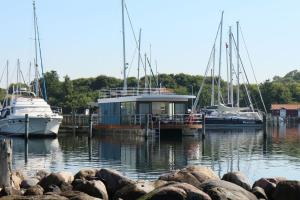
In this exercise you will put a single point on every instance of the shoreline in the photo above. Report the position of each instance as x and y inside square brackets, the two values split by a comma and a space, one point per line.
[192, 182]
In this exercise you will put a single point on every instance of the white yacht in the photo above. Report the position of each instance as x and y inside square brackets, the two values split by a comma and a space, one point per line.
[43, 121]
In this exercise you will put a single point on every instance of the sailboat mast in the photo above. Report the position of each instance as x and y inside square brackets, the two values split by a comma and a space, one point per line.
[230, 66]
[124, 50]
[139, 61]
[212, 103]
[228, 84]
[220, 60]
[36, 84]
[238, 65]
[7, 86]
[146, 78]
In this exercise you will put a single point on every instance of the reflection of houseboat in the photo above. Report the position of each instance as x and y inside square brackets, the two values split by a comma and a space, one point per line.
[146, 110]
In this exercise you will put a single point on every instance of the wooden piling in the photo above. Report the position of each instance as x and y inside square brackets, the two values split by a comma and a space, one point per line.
[91, 124]
[6, 162]
[26, 126]
[203, 126]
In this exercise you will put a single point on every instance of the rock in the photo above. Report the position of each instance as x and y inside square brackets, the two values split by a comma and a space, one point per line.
[64, 187]
[86, 174]
[113, 180]
[76, 195]
[43, 197]
[67, 176]
[51, 179]
[268, 186]
[41, 174]
[17, 177]
[288, 190]
[34, 190]
[219, 189]
[237, 178]
[27, 183]
[134, 191]
[176, 191]
[93, 188]
[259, 193]
[53, 189]
[8, 191]
[194, 175]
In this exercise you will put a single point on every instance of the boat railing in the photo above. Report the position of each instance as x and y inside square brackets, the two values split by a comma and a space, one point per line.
[120, 92]
[56, 110]
[144, 119]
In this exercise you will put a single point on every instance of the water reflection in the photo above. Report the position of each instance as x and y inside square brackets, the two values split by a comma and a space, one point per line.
[273, 153]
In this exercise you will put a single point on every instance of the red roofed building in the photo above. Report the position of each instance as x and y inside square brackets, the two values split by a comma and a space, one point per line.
[286, 110]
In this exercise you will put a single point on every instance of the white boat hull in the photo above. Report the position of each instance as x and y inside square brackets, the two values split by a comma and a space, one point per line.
[38, 126]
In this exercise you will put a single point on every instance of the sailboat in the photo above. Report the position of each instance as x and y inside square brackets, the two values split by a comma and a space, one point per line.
[43, 121]
[229, 114]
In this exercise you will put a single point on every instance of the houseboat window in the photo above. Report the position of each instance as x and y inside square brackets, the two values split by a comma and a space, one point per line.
[163, 108]
[144, 108]
[180, 108]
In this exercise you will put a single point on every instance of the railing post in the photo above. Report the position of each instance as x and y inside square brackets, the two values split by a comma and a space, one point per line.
[6, 162]
[91, 124]
[203, 126]
[26, 126]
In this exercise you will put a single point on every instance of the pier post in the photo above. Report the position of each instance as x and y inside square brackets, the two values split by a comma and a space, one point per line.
[91, 124]
[6, 162]
[26, 126]
[203, 126]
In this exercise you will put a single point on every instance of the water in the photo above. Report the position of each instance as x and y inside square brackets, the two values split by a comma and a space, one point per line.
[277, 154]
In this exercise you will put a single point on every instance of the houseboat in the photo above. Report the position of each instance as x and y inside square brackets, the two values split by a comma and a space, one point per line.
[146, 111]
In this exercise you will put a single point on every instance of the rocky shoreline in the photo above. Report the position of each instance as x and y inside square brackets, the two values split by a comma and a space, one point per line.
[190, 183]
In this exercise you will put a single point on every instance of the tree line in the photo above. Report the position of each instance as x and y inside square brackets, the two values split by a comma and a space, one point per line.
[78, 93]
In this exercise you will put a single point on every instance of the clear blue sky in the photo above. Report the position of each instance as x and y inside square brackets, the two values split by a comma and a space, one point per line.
[83, 38]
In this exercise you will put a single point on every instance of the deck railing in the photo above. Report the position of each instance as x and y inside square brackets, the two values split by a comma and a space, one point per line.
[120, 92]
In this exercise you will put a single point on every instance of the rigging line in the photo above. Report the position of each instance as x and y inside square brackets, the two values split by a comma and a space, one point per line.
[41, 60]
[135, 39]
[245, 74]
[252, 68]
[152, 72]
[2, 74]
[131, 62]
[207, 69]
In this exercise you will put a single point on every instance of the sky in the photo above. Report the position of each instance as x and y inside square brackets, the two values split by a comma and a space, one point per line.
[84, 38]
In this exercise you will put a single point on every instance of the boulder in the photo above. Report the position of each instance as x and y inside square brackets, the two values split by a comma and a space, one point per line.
[93, 188]
[53, 189]
[194, 175]
[86, 174]
[237, 178]
[259, 193]
[134, 191]
[76, 195]
[67, 176]
[220, 189]
[66, 187]
[267, 185]
[41, 174]
[43, 197]
[51, 179]
[17, 177]
[34, 190]
[27, 183]
[113, 180]
[288, 190]
[8, 191]
[176, 191]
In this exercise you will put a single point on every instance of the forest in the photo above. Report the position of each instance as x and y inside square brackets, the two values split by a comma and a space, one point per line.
[78, 93]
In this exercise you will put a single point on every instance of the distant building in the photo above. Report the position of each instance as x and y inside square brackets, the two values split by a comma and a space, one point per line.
[286, 110]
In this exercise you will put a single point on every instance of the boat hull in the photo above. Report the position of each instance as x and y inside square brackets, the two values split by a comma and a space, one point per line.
[38, 126]
[231, 122]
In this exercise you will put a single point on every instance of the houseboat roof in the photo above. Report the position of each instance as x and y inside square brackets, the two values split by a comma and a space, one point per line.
[148, 98]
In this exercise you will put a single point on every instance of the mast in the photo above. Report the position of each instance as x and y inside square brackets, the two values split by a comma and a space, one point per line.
[228, 84]
[146, 78]
[124, 50]
[238, 65]
[36, 83]
[139, 61]
[230, 66]
[220, 60]
[212, 102]
[150, 67]
[7, 86]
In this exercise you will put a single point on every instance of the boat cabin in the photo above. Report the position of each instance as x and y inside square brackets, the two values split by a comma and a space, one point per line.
[139, 108]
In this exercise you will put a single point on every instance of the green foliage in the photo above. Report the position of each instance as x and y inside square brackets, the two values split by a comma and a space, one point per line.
[76, 94]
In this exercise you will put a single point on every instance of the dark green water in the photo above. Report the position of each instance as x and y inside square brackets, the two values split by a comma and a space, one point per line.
[277, 154]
